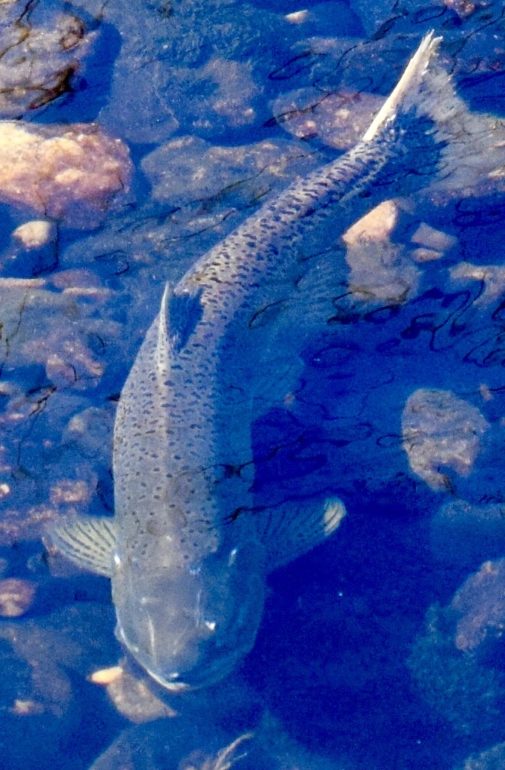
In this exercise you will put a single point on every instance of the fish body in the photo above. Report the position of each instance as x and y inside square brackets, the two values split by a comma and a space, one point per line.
[187, 552]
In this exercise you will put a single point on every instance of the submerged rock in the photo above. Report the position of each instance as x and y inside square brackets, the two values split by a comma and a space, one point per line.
[457, 686]
[201, 79]
[339, 119]
[480, 605]
[42, 691]
[193, 744]
[188, 169]
[441, 431]
[65, 172]
[40, 50]
[380, 269]
[462, 7]
[491, 759]
[465, 533]
[131, 695]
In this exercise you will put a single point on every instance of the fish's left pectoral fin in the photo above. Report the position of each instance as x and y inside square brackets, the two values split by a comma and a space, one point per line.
[87, 541]
[293, 529]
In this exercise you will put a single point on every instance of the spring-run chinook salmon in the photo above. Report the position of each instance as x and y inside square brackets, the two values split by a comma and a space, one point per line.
[187, 551]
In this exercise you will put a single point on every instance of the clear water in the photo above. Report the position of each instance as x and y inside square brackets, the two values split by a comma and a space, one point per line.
[383, 648]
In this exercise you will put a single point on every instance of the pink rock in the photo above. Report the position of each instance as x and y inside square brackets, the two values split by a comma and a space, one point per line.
[481, 604]
[70, 173]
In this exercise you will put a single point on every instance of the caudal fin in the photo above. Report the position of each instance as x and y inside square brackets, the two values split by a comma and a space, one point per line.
[471, 146]
[407, 92]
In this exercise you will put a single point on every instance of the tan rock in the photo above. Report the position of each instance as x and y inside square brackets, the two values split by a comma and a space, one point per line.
[65, 172]
[16, 597]
[431, 238]
[297, 17]
[441, 430]
[377, 225]
[379, 268]
[34, 234]
[425, 255]
[492, 276]
[106, 676]
[131, 696]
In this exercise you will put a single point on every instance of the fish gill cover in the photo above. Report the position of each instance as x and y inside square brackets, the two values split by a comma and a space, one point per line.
[135, 137]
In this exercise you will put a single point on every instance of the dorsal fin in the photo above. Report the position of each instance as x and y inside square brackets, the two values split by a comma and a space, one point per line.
[183, 312]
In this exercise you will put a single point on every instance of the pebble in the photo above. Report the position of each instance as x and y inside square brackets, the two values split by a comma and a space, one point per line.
[431, 238]
[425, 255]
[106, 676]
[75, 278]
[69, 492]
[492, 276]
[74, 366]
[297, 17]
[16, 597]
[462, 7]
[91, 430]
[17, 524]
[34, 234]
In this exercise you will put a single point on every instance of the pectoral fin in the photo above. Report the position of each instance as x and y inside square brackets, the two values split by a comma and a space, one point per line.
[87, 541]
[293, 529]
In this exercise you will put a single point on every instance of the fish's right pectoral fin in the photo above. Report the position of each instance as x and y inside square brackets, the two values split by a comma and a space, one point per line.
[298, 527]
[87, 541]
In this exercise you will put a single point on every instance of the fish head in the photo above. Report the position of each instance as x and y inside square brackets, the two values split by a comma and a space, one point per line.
[188, 623]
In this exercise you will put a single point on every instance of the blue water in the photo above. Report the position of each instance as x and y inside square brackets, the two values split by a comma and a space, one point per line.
[383, 648]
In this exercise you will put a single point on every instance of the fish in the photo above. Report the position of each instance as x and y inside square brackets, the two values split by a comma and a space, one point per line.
[187, 551]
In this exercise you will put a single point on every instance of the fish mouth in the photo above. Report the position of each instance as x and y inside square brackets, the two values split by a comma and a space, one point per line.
[175, 685]
[209, 675]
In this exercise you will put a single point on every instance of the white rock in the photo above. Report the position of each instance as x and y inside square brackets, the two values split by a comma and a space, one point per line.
[34, 234]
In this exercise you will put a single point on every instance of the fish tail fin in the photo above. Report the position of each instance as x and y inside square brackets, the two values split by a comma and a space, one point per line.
[443, 138]
[406, 93]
